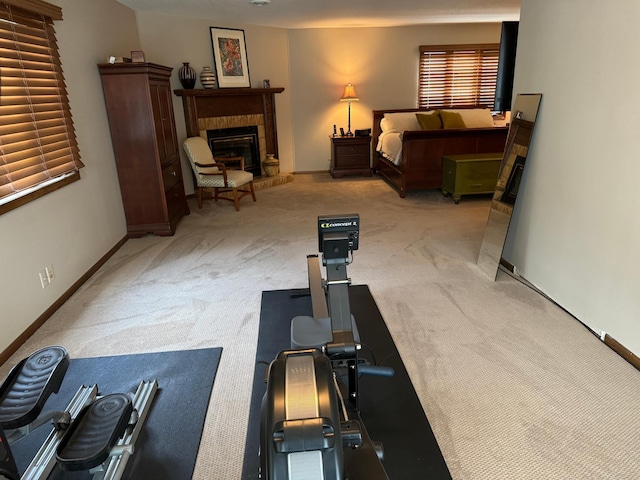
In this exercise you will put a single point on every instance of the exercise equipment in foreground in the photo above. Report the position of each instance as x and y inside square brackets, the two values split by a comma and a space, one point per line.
[94, 433]
[310, 420]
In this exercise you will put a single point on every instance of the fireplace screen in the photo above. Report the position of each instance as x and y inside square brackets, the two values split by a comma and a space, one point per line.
[237, 142]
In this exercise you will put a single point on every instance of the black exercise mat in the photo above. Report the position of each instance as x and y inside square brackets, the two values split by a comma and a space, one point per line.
[389, 407]
[168, 443]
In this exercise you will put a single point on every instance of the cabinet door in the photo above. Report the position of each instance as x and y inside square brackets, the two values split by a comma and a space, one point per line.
[163, 120]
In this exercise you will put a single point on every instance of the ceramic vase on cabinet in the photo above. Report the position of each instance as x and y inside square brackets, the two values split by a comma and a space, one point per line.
[187, 76]
[207, 78]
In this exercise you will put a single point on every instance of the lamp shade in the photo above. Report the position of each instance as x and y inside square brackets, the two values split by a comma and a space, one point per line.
[350, 94]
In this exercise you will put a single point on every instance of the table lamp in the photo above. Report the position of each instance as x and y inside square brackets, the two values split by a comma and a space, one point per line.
[349, 96]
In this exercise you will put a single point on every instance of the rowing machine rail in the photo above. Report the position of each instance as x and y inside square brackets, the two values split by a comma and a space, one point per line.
[310, 422]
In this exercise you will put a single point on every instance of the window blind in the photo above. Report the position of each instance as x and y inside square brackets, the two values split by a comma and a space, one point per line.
[458, 75]
[38, 145]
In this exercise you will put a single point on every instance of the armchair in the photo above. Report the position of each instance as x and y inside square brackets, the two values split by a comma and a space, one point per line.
[210, 172]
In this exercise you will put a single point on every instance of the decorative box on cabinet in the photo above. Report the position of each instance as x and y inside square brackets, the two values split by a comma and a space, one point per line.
[143, 133]
[350, 156]
[470, 174]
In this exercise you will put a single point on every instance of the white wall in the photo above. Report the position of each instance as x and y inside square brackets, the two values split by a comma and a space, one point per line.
[575, 233]
[171, 40]
[382, 63]
[71, 228]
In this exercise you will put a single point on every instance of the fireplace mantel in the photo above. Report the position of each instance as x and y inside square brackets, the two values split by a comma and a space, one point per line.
[224, 102]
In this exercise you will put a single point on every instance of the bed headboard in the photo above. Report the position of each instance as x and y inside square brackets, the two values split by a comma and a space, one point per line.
[378, 115]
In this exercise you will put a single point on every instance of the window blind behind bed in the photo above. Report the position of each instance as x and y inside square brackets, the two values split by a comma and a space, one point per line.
[458, 75]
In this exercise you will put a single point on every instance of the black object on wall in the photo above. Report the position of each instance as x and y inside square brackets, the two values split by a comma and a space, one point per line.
[506, 66]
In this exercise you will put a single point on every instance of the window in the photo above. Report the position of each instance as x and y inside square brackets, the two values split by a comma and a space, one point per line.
[38, 147]
[458, 75]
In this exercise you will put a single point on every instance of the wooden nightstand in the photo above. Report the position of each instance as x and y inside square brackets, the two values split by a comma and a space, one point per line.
[350, 156]
[470, 174]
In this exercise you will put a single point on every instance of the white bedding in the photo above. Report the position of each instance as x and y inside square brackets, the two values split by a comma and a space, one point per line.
[390, 146]
[390, 140]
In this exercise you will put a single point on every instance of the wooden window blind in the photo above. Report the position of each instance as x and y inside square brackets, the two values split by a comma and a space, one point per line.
[38, 147]
[458, 75]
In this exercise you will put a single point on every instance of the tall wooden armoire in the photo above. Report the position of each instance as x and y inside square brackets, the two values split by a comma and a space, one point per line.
[143, 132]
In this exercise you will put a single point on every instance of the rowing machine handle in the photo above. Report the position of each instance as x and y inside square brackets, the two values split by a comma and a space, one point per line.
[376, 370]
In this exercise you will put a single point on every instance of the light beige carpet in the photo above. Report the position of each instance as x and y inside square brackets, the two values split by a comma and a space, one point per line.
[514, 387]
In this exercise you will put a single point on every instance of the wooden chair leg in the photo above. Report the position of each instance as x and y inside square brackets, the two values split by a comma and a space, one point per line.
[215, 194]
[253, 193]
[200, 197]
[235, 199]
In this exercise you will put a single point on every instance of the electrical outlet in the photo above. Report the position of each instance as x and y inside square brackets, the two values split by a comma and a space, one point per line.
[44, 279]
[50, 274]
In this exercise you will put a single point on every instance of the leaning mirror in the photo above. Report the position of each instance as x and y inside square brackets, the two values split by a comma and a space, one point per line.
[523, 117]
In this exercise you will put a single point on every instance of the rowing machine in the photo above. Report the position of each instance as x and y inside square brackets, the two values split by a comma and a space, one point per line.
[310, 420]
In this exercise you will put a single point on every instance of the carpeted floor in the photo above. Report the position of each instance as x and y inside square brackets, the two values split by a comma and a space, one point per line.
[513, 386]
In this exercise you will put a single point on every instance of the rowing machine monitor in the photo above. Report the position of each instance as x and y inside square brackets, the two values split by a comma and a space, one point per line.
[338, 235]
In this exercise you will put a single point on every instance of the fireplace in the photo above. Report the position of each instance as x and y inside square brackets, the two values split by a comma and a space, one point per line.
[222, 108]
[237, 142]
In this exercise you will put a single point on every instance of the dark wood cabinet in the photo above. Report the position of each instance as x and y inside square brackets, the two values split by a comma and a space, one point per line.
[350, 156]
[143, 132]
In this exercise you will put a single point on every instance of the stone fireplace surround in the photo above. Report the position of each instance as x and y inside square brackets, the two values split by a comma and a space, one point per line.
[210, 109]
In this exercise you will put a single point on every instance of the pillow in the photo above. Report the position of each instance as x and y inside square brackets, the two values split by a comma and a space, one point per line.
[429, 121]
[401, 121]
[451, 119]
[385, 125]
[475, 117]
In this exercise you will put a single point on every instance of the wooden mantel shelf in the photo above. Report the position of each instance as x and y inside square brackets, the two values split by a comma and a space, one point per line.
[226, 92]
[224, 102]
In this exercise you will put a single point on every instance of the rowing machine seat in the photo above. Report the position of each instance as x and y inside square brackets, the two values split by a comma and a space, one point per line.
[309, 332]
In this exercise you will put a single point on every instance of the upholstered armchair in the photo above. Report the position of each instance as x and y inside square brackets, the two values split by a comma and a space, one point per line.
[213, 173]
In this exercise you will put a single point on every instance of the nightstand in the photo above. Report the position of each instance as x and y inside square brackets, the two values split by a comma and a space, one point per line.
[350, 156]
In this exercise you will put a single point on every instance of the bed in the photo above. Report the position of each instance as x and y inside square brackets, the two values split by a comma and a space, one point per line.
[407, 149]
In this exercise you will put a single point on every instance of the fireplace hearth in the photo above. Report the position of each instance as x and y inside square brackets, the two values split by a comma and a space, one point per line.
[237, 142]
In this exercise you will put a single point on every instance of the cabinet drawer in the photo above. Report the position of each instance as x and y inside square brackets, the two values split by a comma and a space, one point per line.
[353, 160]
[171, 175]
[352, 150]
[175, 199]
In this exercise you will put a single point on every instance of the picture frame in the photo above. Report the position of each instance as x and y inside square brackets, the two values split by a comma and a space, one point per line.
[230, 57]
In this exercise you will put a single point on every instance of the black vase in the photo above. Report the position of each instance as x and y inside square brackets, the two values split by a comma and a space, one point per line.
[187, 76]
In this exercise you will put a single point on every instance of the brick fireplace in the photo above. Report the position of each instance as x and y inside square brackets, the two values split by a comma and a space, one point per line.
[230, 108]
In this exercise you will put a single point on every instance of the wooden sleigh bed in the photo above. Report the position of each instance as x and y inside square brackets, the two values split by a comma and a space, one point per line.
[418, 164]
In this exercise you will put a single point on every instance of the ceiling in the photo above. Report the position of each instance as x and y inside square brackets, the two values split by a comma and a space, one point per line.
[336, 13]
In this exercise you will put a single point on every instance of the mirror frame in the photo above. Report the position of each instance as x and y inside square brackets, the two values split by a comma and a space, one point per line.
[511, 170]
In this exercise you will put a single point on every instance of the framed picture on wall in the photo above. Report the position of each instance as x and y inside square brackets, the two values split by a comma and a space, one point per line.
[230, 56]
